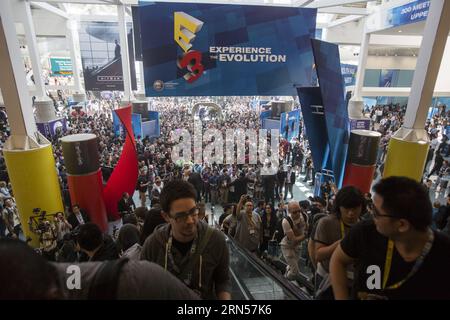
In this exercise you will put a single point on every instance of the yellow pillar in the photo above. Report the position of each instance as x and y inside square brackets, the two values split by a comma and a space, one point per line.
[408, 148]
[406, 158]
[35, 184]
[28, 155]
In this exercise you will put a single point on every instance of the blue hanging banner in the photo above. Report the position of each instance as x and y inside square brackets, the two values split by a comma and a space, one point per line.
[315, 124]
[225, 50]
[326, 56]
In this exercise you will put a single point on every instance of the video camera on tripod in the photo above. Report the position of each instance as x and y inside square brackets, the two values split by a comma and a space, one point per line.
[39, 222]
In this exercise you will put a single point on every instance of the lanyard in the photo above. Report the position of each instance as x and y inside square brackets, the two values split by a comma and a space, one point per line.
[388, 263]
[169, 255]
[342, 229]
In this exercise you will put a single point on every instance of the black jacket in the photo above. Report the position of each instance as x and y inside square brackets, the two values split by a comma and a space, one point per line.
[291, 178]
[196, 180]
[126, 206]
[108, 250]
[74, 221]
[240, 186]
[272, 225]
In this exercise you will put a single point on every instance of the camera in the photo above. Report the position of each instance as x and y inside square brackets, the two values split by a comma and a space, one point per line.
[39, 222]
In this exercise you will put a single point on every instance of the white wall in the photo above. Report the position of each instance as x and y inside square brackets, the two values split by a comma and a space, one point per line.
[48, 24]
[400, 63]
[349, 33]
[443, 80]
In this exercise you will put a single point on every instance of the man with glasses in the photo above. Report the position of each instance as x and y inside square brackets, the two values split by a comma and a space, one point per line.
[398, 255]
[249, 225]
[190, 249]
[294, 228]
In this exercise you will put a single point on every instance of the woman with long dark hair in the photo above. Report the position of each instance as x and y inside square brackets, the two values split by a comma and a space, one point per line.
[269, 225]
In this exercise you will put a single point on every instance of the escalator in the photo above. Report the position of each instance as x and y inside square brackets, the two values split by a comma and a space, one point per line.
[254, 279]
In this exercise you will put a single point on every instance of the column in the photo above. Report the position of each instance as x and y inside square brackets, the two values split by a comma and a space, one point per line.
[128, 95]
[408, 148]
[72, 40]
[45, 110]
[27, 20]
[356, 103]
[28, 155]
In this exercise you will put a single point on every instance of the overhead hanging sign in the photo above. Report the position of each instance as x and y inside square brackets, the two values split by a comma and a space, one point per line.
[61, 66]
[225, 50]
[412, 12]
[349, 74]
[101, 58]
[290, 124]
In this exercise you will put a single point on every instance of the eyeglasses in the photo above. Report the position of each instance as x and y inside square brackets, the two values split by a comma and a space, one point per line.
[183, 216]
[377, 214]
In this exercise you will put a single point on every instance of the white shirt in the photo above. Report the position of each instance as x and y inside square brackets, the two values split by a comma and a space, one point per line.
[79, 218]
[299, 224]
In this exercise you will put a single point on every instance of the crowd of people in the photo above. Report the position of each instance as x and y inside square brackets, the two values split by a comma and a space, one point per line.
[387, 119]
[171, 237]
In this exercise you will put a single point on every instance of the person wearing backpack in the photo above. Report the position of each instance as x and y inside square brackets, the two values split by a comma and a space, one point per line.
[294, 230]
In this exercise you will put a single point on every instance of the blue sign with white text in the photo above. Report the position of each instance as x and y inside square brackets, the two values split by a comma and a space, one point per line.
[409, 13]
[349, 74]
[225, 50]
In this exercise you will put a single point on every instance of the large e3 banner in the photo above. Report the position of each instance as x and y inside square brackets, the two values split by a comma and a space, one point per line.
[101, 56]
[225, 50]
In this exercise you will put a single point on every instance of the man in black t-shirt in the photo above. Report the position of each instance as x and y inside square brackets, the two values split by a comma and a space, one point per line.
[397, 254]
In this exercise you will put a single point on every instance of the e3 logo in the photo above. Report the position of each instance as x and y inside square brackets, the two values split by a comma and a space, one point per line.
[185, 28]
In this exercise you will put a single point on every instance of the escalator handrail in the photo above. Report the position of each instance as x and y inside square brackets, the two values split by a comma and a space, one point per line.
[265, 269]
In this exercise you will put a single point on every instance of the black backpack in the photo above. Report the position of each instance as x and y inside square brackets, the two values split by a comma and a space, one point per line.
[314, 221]
[441, 217]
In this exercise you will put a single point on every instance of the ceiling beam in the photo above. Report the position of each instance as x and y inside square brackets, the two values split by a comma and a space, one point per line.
[50, 8]
[84, 1]
[344, 10]
[344, 20]
[301, 3]
[331, 3]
